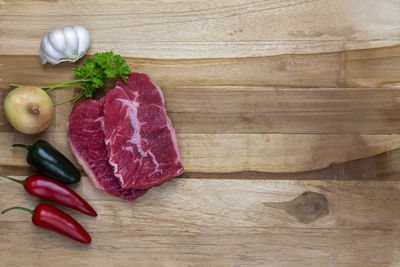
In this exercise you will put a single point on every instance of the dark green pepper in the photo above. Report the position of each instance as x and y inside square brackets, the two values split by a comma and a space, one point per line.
[50, 162]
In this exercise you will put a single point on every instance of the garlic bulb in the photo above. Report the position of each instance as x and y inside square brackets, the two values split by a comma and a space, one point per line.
[68, 44]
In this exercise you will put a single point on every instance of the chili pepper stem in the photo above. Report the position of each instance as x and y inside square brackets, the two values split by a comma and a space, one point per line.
[22, 145]
[18, 208]
[12, 179]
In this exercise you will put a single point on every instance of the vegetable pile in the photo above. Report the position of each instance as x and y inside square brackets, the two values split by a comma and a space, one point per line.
[47, 160]
[30, 110]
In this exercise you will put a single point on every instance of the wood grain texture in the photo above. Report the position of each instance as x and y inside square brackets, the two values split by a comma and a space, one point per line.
[284, 110]
[355, 68]
[287, 114]
[199, 100]
[225, 153]
[203, 29]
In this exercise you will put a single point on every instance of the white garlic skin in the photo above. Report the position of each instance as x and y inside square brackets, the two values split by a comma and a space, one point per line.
[67, 44]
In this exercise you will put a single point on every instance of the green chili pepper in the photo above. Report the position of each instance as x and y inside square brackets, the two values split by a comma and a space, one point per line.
[50, 162]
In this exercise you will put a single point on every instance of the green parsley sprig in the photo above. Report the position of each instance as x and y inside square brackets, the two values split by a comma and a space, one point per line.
[92, 75]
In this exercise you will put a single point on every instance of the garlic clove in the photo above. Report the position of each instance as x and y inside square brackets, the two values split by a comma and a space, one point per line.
[53, 61]
[71, 43]
[47, 52]
[43, 58]
[57, 40]
[84, 40]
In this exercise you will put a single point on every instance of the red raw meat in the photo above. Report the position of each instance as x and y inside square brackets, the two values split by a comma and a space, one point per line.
[140, 138]
[85, 130]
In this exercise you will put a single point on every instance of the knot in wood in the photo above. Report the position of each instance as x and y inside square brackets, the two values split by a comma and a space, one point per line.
[306, 208]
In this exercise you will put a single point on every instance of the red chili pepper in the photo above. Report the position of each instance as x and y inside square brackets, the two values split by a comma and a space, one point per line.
[49, 189]
[49, 217]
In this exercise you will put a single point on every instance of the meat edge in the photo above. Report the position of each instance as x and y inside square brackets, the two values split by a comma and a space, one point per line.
[87, 170]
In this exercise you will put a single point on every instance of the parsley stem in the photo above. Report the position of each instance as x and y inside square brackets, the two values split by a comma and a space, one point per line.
[63, 84]
[65, 101]
[79, 96]
[15, 85]
[70, 85]
[74, 98]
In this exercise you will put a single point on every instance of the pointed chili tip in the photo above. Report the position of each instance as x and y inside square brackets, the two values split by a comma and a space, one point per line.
[88, 240]
[89, 210]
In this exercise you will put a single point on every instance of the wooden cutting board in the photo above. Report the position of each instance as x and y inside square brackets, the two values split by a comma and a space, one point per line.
[288, 119]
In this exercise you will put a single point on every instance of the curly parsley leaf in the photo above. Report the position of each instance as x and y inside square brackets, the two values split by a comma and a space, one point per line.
[122, 69]
[112, 65]
[94, 72]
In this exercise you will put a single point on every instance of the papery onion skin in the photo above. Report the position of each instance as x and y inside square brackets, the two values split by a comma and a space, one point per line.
[29, 109]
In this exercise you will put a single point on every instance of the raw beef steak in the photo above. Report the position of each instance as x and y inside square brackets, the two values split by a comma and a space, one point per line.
[85, 130]
[140, 139]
